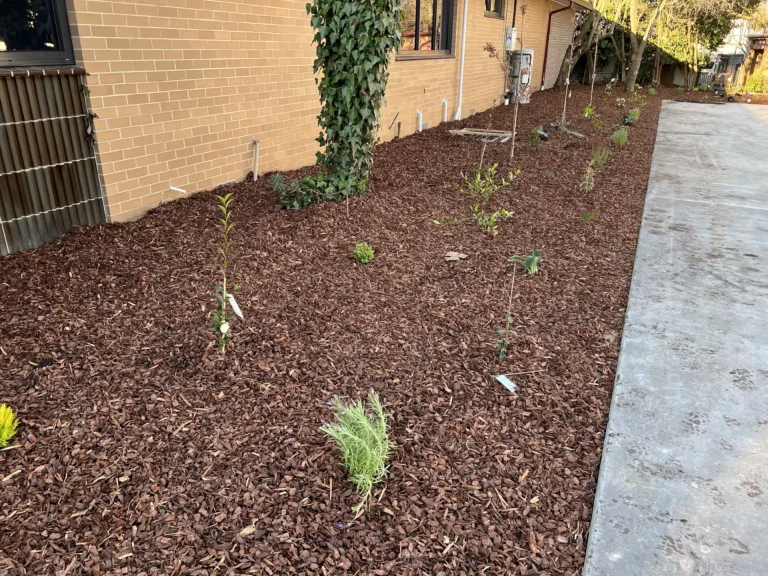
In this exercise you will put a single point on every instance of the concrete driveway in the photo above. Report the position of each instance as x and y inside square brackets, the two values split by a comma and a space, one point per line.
[683, 486]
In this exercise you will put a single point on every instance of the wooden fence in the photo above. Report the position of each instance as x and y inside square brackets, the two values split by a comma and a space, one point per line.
[48, 178]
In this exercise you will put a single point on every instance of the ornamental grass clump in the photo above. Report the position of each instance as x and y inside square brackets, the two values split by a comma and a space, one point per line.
[8, 425]
[363, 440]
[620, 136]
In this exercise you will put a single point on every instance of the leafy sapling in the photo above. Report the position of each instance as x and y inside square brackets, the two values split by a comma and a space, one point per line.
[8, 424]
[505, 334]
[531, 262]
[489, 222]
[620, 136]
[533, 141]
[482, 185]
[589, 111]
[222, 319]
[363, 252]
[587, 217]
[362, 437]
[609, 89]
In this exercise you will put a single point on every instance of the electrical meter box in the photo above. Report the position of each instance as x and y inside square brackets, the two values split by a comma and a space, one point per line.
[510, 39]
[521, 75]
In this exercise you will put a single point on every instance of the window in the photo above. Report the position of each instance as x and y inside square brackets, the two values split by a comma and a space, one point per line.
[427, 26]
[494, 8]
[34, 33]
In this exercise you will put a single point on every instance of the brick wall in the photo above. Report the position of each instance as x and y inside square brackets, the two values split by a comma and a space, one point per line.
[560, 36]
[183, 87]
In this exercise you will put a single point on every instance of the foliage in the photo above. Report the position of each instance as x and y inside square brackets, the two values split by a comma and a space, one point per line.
[609, 89]
[531, 262]
[222, 320]
[445, 221]
[588, 180]
[482, 184]
[620, 136]
[637, 98]
[589, 111]
[587, 217]
[505, 335]
[354, 42]
[621, 103]
[600, 156]
[278, 184]
[756, 83]
[8, 425]
[489, 222]
[363, 440]
[363, 252]
[678, 91]
[533, 141]
[651, 91]
[632, 117]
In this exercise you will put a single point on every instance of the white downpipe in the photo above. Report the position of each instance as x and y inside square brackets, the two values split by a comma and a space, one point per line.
[445, 110]
[461, 67]
[419, 119]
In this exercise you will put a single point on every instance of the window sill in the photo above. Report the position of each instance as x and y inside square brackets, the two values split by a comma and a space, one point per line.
[494, 15]
[422, 55]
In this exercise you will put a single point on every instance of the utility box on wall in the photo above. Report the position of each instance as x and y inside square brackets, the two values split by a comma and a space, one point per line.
[510, 39]
[521, 75]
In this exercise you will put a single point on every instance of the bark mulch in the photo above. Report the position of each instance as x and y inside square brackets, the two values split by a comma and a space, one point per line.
[142, 451]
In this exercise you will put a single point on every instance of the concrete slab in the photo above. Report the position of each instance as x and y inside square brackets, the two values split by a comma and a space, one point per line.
[683, 486]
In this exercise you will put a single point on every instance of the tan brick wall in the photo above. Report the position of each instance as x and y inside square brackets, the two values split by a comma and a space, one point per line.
[183, 87]
[560, 37]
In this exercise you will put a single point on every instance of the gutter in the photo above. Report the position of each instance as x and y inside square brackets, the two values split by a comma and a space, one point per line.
[549, 31]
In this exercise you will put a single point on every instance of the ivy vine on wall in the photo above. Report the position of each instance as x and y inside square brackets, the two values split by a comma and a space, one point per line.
[354, 42]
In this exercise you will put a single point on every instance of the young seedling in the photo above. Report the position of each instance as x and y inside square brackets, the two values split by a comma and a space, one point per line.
[620, 136]
[609, 89]
[588, 180]
[589, 112]
[533, 141]
[445, 221]
[600, 156]
[651, 91]
[222, 320]
[632, 117]
[587, 217]
[531, 262]
[363, 252]
[505, 334]
[488, 223]
[482, 185]
[363, 440]
[8, 424]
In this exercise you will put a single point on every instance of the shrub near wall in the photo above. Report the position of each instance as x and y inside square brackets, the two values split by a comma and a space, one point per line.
[354, 41]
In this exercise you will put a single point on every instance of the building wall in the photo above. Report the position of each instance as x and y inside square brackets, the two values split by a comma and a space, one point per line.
[183, 87]
[559, 40]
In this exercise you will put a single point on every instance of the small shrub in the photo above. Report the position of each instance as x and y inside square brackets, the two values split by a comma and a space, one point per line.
[600, 156]
[678, 91]
[8, 425]
[756, 83]
[637, 98]
[588, 180]
[651, 91]
[363, 441]
[489, 223]
[621, 103]
[587, 217]
[531, 262]
[533, 141]
[634, 115]
[620, 136]
[696, 89]
[482, 184]
[589, 111]
[363, 252]
[609, 89]
[222, 320]
[278, 184]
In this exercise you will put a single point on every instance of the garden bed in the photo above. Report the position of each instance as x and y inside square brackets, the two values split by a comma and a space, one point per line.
[141, 450]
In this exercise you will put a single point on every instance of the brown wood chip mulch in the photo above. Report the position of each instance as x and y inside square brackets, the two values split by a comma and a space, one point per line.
[141, 451]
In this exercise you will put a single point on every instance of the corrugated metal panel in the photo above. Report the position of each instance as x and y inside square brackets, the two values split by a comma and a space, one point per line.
[48, 178]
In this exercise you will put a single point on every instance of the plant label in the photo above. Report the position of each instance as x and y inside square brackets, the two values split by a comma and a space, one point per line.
[508, 384]
[235, 307]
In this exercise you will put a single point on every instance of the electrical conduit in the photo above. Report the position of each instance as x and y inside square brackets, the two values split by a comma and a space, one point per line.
[461, 66]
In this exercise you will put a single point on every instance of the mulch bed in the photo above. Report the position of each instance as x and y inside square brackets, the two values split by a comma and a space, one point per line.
[142, 451]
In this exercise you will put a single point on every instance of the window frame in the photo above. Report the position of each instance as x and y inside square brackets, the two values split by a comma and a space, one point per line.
[500, 14]
[445, 32]
[30, 58]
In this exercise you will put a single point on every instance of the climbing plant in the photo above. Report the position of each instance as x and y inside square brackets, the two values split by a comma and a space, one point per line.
[354, 42]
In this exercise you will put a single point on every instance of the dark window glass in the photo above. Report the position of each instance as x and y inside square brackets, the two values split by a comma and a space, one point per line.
[34, 32]
[494, 8]
[426, 25]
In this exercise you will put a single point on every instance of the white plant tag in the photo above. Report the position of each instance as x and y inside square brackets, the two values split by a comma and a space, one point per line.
[235, 307]
[508, 384]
